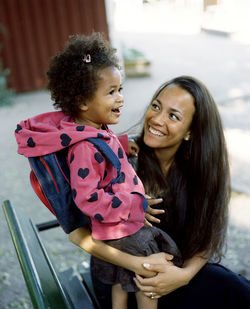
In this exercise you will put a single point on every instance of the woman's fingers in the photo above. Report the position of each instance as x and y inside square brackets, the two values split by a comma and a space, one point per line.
[144, 288]
[147, 290]
[154, 201]
[152, 295]
[158, 268]
[133, 149]
[148, 286]
[146, 222]
[150, 214]
[151, 218]
[154, 211]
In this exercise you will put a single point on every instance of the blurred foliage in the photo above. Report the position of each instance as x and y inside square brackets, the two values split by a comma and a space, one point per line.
[6, 94]
[132, 54]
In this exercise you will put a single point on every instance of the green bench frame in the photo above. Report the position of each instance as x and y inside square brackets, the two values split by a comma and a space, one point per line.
[47, 287]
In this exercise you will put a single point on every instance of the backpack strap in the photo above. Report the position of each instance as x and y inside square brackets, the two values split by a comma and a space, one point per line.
[108, 153]
[106, 150]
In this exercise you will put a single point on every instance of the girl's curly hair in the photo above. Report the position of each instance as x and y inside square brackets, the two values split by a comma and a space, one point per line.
[71, 80]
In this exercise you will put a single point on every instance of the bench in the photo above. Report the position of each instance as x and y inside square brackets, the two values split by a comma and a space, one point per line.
[47, 287]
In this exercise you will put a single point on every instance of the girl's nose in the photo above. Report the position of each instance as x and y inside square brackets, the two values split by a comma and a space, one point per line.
[120, 97]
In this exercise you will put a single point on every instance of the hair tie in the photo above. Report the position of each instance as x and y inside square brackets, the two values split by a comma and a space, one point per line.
[86, 58]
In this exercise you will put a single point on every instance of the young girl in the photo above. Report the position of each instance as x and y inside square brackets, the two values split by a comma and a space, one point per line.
[85, 83]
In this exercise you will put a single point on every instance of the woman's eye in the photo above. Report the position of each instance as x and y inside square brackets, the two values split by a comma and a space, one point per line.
[155, 106]
[173, 116]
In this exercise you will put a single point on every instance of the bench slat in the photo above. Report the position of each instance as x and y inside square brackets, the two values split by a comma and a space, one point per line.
[84, 271]
[76, 289]
[42, 281]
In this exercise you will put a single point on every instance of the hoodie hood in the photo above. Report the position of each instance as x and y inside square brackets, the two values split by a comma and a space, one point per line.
[50, 132]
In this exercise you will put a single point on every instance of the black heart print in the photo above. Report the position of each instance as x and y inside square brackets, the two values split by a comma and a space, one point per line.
[80, 128]
[74, 193]
[120, 153]
[135, 180]
[83, 173]
[18, 128]
[122, 178]
[98, 217]
[65, 140]
[98, 157]
[116, 202]
[31, 143]
[93, 197]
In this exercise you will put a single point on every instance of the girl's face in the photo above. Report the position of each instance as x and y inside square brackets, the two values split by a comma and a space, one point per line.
[105, 106]
[168, 118]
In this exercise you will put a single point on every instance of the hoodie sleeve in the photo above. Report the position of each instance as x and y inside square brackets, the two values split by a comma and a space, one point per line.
[87, 172]
[123, 139]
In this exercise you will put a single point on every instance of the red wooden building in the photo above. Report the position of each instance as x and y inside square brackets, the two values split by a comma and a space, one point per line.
[31, 31]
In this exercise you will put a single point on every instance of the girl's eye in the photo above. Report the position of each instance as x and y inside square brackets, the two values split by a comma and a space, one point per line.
[120, 89]
[173, 116]
[112, 92]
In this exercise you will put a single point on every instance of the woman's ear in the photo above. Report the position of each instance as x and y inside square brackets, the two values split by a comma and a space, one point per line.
[187, 136]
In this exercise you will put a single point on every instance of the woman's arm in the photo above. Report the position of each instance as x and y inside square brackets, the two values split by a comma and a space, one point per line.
[170, 277]
[82, 238]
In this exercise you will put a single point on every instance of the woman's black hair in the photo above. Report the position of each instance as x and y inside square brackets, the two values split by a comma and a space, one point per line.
[196, 190]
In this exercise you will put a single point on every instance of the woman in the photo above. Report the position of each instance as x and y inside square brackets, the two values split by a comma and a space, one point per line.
[183, 148]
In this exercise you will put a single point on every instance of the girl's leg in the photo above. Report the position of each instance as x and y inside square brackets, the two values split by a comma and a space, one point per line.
[103, 292]
[144, 302]
[119, 297]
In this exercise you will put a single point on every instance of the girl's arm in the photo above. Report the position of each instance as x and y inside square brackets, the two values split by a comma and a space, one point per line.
[170, 277]
[82, 238]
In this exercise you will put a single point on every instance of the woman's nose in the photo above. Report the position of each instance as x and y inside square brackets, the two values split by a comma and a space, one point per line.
[159, 119]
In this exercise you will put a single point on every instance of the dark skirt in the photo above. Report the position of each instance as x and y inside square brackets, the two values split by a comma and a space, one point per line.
[146, 241]
[213, 287]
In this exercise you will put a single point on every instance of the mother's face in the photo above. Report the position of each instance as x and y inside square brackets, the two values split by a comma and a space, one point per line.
[168, 118]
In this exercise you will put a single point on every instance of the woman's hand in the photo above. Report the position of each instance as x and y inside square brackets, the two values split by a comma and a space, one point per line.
[168, 279]
[141, 263]
[133, 149]
[151, 212]
[161, 258]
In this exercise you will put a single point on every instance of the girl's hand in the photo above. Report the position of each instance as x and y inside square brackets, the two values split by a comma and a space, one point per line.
[151, 212]
[133, 149]
[168, 279]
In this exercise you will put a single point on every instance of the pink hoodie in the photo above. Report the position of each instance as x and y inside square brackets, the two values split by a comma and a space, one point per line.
[113, 215]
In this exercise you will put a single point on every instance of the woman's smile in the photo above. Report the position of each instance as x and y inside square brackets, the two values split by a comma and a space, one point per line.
[155, 132]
